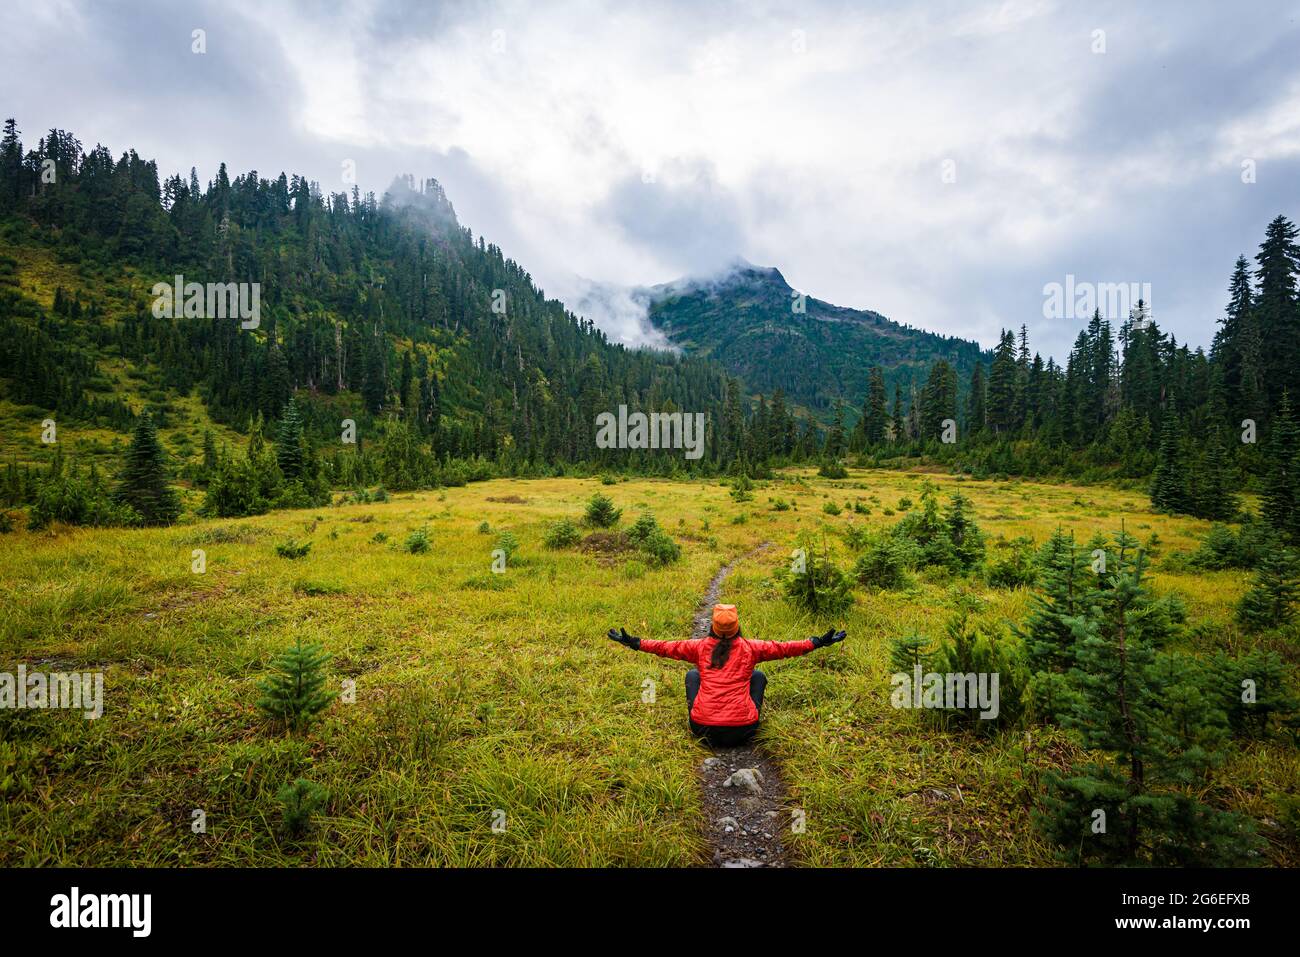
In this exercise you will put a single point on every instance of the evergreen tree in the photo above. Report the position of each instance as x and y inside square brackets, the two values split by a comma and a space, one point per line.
[976, 402]
[875, 419]
[209, 454]
[143, 482]
[836, 444]
[963, 532]
[1270, 603]
[1215, 499]
[898, 419]
[11, 167]
[938, 401]
[1281, 495]
[1169, 482]
[1001, 413]
[780, 426]
[1276, 307]
[1048, 634]
[295, 691]
[819, 586]
[1153, 732]
[290, 452]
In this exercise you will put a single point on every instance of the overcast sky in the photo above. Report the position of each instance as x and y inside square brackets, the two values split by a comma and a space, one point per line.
[939, 163]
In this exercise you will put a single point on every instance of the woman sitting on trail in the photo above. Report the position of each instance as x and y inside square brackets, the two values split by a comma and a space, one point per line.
[724, 692]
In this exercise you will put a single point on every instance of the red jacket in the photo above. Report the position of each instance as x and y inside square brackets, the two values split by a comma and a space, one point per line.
[723, 701]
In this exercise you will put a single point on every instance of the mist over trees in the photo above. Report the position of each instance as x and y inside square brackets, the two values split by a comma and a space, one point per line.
[452, 364]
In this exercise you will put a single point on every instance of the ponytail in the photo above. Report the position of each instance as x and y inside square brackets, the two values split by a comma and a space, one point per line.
[722, 650]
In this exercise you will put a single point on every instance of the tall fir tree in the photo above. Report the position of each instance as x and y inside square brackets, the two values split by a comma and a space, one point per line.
[1169, 482]
[1277, 307]
[290, 449]
[1281, 496]
[143, 482]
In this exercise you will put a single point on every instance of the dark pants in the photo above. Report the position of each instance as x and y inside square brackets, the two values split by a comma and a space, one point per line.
[725, 737]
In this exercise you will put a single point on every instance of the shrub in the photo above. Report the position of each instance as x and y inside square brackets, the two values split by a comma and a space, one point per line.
[507, 543]
[1270, 603]
[966, 651]
[1015, 569]
[484, 528]
[660, 547]
[1267, 673]
[77, 501]
[742, 489]
[952, 539]
[292, 549]
[1222, 548]
[644, 526]
[418, 541]
[562, 534]
[884, 563]
[965, 535]
[1218, 549]
[601, 512]
[299, 803]
[926, 531]
[820, 586]
[908, 651]
[832, 470]
[830, 508]
[856, 537]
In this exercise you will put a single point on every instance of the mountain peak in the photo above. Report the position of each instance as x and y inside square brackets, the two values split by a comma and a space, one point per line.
[736, 273]
[748, 318]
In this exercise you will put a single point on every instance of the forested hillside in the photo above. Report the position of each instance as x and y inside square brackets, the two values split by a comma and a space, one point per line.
[1131, 403]
[453, 365]
[380, 310]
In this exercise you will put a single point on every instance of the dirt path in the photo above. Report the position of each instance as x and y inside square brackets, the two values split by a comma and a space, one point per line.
[746, 818]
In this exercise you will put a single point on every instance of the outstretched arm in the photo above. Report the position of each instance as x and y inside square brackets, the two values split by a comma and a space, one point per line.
[770, 650]
[681, 650]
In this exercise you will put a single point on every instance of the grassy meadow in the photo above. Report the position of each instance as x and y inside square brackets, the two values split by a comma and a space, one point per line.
[478, 693]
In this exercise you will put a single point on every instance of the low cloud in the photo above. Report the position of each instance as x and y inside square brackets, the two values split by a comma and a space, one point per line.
[635, 144]
[622, 312]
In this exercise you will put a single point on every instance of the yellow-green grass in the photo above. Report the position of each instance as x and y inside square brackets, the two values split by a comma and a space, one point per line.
[478, 692]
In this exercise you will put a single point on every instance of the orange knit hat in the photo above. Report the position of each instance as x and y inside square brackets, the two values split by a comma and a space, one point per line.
[726, 623]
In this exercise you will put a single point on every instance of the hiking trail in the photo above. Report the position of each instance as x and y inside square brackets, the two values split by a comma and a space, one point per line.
[746, 819]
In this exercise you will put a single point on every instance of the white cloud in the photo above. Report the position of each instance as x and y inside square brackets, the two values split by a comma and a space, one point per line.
[810, 137]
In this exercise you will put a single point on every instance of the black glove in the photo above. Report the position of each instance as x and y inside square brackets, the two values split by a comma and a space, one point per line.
[623, 638]
[830, 638]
